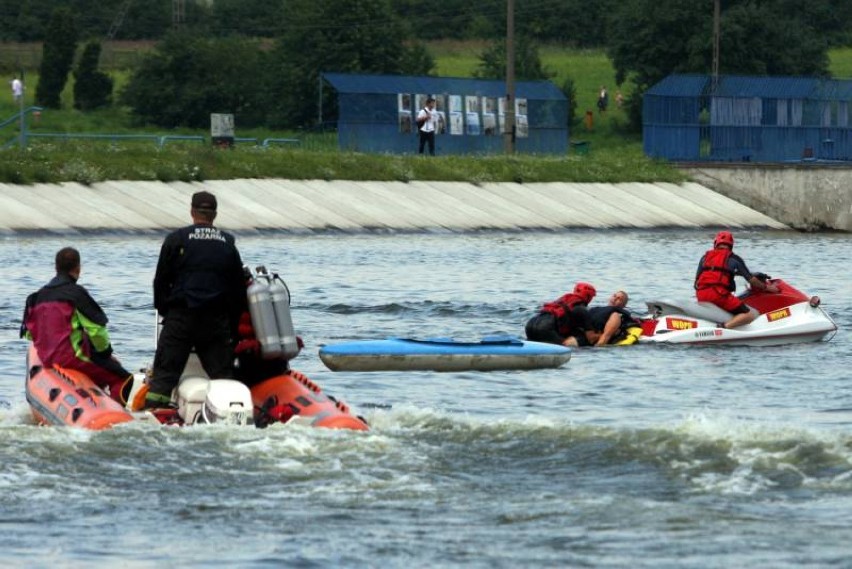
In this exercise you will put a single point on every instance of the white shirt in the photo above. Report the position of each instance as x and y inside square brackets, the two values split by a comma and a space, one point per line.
[432, 117]
[17, 87]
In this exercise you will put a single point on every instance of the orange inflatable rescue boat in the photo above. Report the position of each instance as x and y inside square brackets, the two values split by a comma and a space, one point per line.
[60, 396]
[269, 391]
[294, 397]
[66, 397]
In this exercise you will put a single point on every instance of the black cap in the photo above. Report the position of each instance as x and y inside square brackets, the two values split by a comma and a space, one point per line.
[204, 200]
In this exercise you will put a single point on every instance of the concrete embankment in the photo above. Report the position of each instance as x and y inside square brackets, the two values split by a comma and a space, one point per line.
[315, 205]
[807, 196]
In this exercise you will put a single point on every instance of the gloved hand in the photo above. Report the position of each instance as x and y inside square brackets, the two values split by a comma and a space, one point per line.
[762, 277]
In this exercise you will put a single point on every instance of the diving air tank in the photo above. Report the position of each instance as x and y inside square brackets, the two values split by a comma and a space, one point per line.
[281, 305]
[263, 315]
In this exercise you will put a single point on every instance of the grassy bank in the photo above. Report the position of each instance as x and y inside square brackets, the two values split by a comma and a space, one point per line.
[90, 163]
[615, 155]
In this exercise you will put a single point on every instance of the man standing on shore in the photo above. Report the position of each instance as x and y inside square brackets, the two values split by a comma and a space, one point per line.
[427, 123]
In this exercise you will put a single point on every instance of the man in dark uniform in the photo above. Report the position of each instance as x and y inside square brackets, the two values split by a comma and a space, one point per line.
[200, 292]
[69, 329]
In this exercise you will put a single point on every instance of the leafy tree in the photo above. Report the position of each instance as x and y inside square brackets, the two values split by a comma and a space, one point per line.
[26, 20]
[336, 36]
[570, 91]
[251, 18]
[151, 19]
[92, 88]
[57, 58]
[572, 22]
[755, 41]
[452, 19]
[651, 39]
[528, 66]
[188, 77]
[32, 18]
[577, 23]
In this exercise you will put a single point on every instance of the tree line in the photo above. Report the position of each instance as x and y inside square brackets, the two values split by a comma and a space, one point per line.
[573, 23]
[261, 59]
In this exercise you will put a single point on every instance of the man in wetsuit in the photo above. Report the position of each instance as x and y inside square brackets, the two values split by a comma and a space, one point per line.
[714, 280]
[609, 322]
[200, 292]
[564, 321]
[69, 329]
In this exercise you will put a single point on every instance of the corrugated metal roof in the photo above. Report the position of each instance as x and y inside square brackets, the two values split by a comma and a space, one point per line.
[766, 87]
[753, 86]
[680, 86]
[393, 84]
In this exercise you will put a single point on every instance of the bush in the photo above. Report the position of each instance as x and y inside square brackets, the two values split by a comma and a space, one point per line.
[58, 56]
[92, 88]
[189, 77]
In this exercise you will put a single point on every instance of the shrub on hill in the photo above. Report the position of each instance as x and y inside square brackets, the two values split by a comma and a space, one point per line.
[59, 48]
[188, 77]
[92, 88]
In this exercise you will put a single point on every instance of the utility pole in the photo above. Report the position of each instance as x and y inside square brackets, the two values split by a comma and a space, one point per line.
[23, 133]
[178, 13]
[717, 13]
[509, 128]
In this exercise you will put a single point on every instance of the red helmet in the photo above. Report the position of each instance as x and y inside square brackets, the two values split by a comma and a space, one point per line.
[585, 291]
[724, 238]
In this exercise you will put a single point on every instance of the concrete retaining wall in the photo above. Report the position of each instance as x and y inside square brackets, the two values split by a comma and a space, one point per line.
[316, 205]
[804, 196]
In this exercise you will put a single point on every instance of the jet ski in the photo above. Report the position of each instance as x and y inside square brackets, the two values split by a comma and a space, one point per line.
[786, 317]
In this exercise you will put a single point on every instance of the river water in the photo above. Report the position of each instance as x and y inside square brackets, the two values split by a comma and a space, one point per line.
[644, 456]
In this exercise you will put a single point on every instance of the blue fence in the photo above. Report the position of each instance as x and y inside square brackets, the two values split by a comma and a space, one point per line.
[760, 119]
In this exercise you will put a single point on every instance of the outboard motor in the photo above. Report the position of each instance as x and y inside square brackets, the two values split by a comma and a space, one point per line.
[281, 305]
[263, 316]
[229, 402]
[203, 400]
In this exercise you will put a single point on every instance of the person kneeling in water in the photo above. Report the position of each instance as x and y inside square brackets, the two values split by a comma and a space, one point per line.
[564, 321]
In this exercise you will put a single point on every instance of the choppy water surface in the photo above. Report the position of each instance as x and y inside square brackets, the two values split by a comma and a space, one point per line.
[625, 457]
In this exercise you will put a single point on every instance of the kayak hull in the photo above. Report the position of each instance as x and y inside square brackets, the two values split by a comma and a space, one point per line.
[443, 355]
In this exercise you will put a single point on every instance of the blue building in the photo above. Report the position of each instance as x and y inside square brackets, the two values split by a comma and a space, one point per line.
[743, 119]
[376, 113]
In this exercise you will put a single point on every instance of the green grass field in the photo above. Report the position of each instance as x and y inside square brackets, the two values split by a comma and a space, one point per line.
[615, 155]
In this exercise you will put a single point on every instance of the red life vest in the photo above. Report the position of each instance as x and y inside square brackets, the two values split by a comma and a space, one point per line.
[562, 306]
[714, 270]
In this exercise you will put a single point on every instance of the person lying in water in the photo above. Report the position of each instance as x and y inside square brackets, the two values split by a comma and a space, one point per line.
[609, 324]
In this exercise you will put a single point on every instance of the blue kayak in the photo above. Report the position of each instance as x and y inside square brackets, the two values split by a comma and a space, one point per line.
[443, 354]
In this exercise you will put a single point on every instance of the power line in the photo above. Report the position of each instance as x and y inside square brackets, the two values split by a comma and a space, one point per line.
[119, 19]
